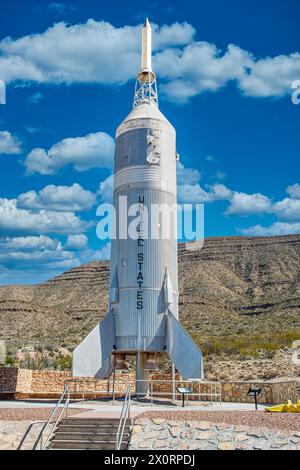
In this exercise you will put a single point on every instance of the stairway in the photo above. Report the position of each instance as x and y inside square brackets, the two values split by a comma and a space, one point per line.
[88, 434]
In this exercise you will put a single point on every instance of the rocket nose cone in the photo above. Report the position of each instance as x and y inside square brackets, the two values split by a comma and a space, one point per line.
[146, 111]
[138, 114]
[146, 24]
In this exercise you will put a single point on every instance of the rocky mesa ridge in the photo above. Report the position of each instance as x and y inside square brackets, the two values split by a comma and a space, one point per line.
[239, 298]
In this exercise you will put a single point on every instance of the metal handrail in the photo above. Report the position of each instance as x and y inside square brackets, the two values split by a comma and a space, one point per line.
[212, 396]
[125, 414]
[65, 396]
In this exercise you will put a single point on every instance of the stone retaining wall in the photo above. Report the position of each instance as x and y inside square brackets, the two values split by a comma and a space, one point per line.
[158, 434]
[237, 392]
[284, 390]
[8, 379]
[274, 391]
[24, 383]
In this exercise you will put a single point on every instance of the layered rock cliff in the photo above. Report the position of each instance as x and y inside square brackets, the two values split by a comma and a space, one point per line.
[239, 296]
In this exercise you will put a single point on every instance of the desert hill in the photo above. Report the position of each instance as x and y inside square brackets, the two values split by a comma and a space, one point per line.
[239, 297]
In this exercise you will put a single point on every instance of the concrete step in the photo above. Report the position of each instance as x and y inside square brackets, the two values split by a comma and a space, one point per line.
[89, 433]
[90, 428]
[87, 436]
[92, 421]
[86, 445]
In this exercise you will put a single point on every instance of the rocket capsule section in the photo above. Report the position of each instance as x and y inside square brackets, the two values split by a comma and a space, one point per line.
[145, 175]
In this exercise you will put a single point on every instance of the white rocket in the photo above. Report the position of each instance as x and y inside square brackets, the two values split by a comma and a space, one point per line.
[146, 47]
[143, 304]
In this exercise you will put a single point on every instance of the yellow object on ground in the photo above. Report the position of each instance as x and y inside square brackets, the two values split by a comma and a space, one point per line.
[287, 407]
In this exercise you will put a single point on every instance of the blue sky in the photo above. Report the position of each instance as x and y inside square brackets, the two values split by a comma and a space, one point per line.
[225, 71]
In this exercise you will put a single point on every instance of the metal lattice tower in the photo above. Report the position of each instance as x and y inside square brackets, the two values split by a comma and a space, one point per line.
[146, 85]
[145, 89]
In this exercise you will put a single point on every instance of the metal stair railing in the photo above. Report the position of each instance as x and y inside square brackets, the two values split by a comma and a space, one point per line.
[43, 439]
[125, 414]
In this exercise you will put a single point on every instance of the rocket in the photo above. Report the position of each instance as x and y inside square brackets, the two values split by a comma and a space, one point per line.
[143, 294]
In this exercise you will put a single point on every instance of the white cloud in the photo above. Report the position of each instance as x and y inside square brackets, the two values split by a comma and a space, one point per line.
[187, 175]
[105, 191]
[98, 52]
[9, 144]
[36, 97]
[271, 76]
[58, 198]
[220, 175]
[92, 151]
[190, 191]
[104, 253]
[247, 204]
[93, 52]
[221, 192]
[287, 209]
[15, 220]
[243, 204]
[36, 258]
[201, 67]
[194, 193]
[32, 130]
[176, 34]
[29, 243]
[77, 242]
[20, 259]
[278, 228]
[32, 251]
[61, 7]
[15, 68]
[294, 191]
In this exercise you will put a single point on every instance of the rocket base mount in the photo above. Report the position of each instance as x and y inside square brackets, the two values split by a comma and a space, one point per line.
[93, 357]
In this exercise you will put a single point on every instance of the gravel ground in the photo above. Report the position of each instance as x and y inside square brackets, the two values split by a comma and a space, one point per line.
[30, 414]
[282, 421]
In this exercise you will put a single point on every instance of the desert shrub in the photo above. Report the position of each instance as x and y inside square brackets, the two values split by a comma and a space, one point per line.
[10, 361]
[247, 345]
[63, 362]
[39, 361]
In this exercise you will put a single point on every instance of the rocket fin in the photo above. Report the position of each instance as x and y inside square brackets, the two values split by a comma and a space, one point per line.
[182, 350]
[106, 369]
[92, 358]
[168, 289]
[114, 289]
